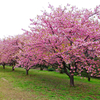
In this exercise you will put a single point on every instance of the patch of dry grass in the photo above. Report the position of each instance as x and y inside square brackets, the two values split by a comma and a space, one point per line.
[7, 92]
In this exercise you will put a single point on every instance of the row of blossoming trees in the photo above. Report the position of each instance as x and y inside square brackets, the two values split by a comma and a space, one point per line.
[67, 36]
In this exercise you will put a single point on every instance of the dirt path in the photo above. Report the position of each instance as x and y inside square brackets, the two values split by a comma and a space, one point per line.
[7, 92]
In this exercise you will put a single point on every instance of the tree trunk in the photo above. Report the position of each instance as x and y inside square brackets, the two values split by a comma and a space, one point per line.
[61, 71]
[69, 74]
[3, 66]
[27, 71]
[88, 78]
[41, 68]
[13, 68]
[71, 80]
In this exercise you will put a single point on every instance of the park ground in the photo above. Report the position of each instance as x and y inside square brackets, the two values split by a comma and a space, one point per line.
[44, 85]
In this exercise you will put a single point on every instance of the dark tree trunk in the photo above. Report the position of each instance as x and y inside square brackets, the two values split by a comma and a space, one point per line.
[41, 68]
[61, 71]
[3, 66]
[71, 80]
[65, 70]
[27, 71]
[13, 68]
[88, 78]
[69, 74]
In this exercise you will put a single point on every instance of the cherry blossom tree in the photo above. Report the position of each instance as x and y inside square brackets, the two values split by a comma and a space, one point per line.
[9, 49]
[68, 37]
[28, 56]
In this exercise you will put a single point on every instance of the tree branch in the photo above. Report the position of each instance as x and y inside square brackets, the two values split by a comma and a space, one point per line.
[64, 65]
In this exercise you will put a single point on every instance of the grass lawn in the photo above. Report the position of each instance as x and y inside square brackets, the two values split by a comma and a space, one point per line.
[44, 85]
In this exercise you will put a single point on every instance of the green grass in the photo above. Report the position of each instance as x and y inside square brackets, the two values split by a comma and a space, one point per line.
[44, 85]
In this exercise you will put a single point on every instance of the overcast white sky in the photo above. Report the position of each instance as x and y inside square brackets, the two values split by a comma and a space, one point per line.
[15, 14]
